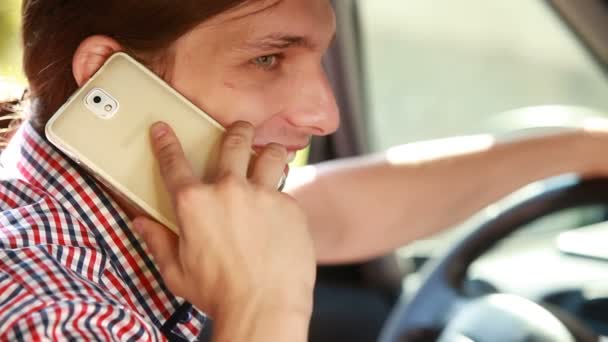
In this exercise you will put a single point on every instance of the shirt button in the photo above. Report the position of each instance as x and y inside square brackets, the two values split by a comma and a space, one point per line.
[186, 318]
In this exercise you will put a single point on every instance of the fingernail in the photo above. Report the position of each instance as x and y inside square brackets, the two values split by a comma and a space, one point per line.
[159, 129]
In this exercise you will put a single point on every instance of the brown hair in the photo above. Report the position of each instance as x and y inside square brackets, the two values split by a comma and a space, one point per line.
[53, 29]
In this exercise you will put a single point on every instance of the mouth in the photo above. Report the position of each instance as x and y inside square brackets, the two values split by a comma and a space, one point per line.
[292, 151]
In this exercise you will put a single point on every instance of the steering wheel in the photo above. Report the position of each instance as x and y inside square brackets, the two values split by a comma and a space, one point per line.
[440, 310]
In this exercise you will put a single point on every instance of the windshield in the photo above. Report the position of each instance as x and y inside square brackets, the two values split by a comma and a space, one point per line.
[437, 68]
[440, 68]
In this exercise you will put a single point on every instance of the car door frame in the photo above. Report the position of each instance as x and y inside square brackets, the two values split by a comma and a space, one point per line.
[588, 21]
[344, 64]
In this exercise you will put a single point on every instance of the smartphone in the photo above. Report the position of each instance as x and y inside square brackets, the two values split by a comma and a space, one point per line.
[104, 127]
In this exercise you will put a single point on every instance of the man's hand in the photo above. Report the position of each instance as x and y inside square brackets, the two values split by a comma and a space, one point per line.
[244, 254]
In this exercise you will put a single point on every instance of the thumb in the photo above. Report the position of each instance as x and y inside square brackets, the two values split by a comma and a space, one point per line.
[163, 244]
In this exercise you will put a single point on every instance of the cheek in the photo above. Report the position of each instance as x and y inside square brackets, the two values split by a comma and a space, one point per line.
[260, 105]
[232, 96]
[252, 103]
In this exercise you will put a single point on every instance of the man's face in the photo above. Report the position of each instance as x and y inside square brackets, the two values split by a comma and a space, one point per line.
[262, 63]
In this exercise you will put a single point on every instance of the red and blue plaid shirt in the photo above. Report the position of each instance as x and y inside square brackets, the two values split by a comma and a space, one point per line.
[70, 265]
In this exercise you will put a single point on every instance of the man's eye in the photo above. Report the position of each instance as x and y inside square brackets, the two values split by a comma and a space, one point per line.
[266, 62]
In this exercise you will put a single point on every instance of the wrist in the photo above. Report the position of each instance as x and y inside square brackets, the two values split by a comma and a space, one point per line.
[264, 317]
[566, 152]
[289, 301]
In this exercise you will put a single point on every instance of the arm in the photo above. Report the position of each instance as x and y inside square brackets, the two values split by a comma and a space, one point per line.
[258, 321]
[366, 207]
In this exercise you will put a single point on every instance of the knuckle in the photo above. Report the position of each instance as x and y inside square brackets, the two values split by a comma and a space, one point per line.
[187, 194]
[169, 162]
[166, 149]
[239, 134]
[276, 151]
[235, 140]
[165, 141]
[232, 188]
[231, 182]
[168, 155]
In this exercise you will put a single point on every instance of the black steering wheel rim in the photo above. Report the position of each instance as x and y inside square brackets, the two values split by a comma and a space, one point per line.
[444, 277]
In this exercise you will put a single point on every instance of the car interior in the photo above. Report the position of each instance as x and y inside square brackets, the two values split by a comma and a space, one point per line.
[531, 267]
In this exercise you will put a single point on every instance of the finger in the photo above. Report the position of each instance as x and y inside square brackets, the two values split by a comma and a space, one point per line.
[269, 166]
[236, 150]
[174, 167]
[164, 247]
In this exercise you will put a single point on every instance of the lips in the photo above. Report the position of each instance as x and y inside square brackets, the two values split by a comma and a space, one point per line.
[291, 151]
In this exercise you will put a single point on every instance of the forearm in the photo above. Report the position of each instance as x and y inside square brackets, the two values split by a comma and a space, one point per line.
[370, 206]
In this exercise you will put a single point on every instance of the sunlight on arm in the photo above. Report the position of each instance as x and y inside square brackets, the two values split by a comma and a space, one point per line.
[300, 176]
[435, 149]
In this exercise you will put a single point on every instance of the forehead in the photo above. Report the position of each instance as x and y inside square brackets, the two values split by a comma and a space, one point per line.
[291, 8]
[310, 18]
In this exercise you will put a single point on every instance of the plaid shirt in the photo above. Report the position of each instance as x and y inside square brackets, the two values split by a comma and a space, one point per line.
[70, 265]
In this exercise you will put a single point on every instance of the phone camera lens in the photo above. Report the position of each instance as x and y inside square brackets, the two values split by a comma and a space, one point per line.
[97, 99]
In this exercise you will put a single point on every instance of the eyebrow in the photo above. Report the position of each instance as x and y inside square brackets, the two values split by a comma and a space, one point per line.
[280, 41]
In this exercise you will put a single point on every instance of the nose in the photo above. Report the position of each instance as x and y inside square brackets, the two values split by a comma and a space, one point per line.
[313, 104]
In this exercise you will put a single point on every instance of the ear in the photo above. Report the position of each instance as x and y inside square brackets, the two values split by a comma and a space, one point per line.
[90, 56]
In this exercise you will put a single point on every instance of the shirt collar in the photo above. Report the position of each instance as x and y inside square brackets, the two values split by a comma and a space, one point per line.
[32, 159]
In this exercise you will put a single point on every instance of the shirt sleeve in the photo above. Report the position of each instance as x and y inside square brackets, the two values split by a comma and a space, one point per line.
[75, 320]
[41, 300]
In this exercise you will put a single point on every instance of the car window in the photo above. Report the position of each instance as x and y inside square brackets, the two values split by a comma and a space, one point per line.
[437, 68]
[10, 67]
[440, 68]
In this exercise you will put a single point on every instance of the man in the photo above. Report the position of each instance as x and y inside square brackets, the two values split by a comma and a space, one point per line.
[72, 262]
[72, 266]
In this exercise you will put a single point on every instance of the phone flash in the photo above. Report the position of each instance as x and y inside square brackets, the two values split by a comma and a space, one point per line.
[108, 108]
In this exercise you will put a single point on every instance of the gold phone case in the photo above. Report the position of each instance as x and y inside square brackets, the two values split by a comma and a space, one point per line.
[117, 150]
